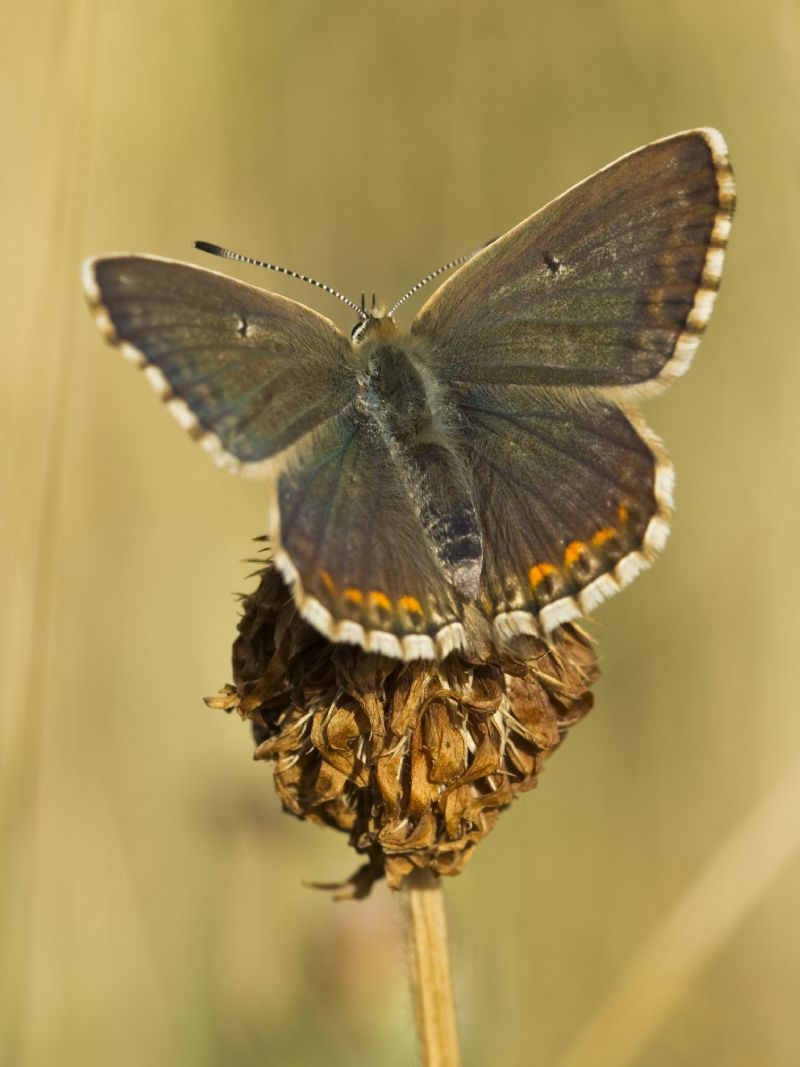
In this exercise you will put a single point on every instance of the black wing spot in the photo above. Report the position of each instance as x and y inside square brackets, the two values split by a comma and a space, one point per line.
[242, 326]
[552, 262]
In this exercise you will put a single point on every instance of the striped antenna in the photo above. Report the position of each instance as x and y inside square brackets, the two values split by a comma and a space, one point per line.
[435, 274]
[225, 253]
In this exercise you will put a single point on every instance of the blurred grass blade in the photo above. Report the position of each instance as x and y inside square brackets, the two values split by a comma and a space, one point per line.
[736, 876]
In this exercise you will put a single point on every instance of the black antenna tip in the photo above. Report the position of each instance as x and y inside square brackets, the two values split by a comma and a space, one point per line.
[206, 246]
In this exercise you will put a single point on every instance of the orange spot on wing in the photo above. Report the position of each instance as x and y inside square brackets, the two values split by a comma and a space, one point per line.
[410, 603]
[355, 595]
[381, 599]
[603, 535]
[328, 582]
[622, 511]
[540, 572]
[573, 552]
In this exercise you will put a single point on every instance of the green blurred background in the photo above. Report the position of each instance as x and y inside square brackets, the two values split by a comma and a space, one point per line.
[641, 906]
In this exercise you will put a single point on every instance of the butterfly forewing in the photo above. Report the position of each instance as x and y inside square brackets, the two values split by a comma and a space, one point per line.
[247, 371]
[609, 285]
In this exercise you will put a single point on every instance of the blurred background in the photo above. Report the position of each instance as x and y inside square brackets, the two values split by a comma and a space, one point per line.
[640, 907]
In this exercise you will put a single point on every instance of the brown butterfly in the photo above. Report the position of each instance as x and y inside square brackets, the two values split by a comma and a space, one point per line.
[487, 471]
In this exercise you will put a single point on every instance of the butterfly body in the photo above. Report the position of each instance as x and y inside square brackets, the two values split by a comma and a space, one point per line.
[401, 402]
[486, 472]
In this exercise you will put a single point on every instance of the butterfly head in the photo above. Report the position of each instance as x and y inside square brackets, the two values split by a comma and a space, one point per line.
[375, 325]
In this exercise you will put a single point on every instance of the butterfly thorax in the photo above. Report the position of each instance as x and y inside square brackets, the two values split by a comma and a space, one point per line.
[400, 402]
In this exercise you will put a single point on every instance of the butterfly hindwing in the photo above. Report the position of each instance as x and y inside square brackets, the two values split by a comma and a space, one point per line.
[609, 285]
[349, 540]
[584, 496]
[245, 371]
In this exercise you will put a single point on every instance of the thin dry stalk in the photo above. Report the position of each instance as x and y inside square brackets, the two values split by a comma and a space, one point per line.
[429, 966]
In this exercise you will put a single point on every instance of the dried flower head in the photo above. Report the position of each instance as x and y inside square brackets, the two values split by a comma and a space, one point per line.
[414, 761]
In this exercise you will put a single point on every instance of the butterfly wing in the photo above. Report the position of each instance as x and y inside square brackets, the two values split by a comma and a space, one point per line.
[574, 497]
[352, 545]
[246, 372]
[544, 339]
[609, 285]
[257, 377]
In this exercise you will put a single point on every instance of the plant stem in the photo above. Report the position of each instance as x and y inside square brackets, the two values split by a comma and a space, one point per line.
[429, 965]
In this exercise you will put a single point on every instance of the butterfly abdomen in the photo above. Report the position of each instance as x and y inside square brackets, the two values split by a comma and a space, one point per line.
[404, 407]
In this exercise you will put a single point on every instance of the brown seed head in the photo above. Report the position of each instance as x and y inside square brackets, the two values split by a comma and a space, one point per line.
[414, 761]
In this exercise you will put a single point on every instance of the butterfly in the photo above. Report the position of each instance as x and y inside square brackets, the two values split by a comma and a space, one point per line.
[486, 472]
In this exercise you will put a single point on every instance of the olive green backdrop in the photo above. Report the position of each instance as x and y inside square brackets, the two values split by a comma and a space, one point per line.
[641, 906]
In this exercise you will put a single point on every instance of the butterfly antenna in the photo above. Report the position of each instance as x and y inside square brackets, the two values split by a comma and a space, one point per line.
[435, 274]
[226, 253]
